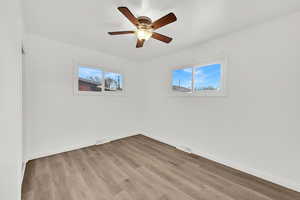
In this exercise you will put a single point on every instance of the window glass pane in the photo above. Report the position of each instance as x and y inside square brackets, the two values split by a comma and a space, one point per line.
[90, 79]
[208, 77]
[182, 80]
[113, 82]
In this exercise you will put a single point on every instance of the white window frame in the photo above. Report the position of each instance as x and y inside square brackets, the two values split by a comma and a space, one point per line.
[103, 92]
[202, 63]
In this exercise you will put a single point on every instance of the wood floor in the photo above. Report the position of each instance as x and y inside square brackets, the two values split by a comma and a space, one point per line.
[140, 168]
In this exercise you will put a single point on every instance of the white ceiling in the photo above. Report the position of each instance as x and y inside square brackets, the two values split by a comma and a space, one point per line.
[86, 22]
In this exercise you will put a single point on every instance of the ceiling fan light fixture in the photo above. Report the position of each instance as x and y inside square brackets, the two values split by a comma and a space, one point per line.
[145, 27]
[143, 34]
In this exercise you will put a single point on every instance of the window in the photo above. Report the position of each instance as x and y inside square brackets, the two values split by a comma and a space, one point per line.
[203, 79]
[113, 82]
[90, 79]
[208, 77]
[94, 80]
[182, 80]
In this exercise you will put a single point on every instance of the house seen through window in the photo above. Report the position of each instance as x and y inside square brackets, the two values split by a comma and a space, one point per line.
[96, 80]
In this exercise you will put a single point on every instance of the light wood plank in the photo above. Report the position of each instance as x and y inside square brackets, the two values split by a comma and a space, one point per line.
[141, 168]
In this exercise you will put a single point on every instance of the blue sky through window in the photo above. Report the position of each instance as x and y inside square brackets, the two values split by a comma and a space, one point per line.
[183, 78]
[208, 77]
[90, 73]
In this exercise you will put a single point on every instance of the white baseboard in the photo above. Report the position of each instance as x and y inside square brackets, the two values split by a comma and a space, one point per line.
[24, 163]
[76, 146]
[69, 148]
[37, 155]
[258, 173]
[277, 180]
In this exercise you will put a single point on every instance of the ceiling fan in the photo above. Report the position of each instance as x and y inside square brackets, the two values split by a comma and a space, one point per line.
[145, 27]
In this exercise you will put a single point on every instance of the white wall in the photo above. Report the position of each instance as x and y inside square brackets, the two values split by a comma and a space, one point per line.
[256, 126]
[56, 120]
[10, 100]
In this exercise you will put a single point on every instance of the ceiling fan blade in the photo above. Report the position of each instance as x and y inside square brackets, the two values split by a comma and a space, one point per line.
[140, 43]
[169, 18]
[126, 12]
[161, 37]
[120, 32]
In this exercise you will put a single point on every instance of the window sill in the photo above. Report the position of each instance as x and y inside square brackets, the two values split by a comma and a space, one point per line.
[198, 94]
[78, 93]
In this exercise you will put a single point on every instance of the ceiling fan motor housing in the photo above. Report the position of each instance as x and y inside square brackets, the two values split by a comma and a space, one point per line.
[144, 22]
[145, 27]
